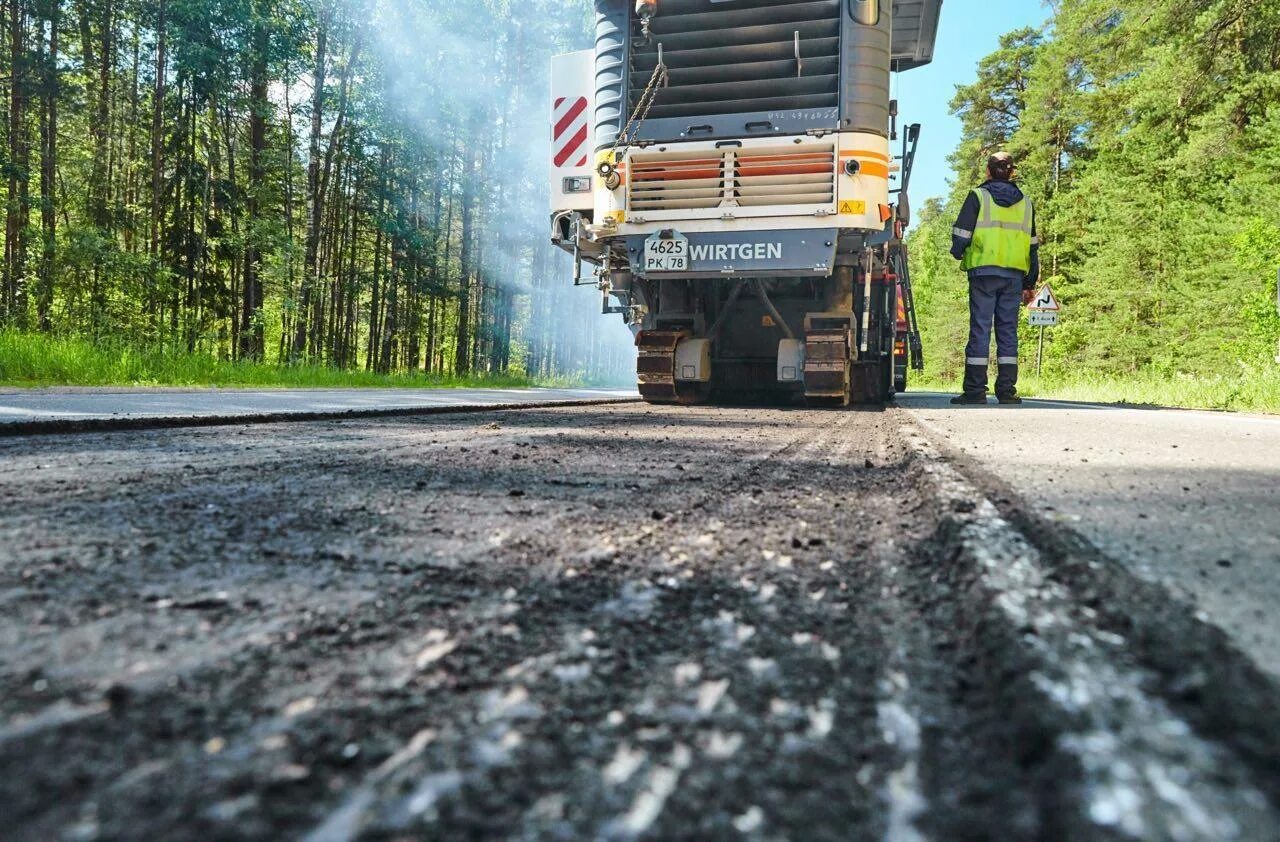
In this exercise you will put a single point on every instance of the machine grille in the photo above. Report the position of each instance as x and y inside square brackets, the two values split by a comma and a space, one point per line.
[740, 57]
[783, 176]
[675, 181]
[758, 177]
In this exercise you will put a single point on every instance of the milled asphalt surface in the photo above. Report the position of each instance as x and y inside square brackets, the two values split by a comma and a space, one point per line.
[617, 622]
[563, 623]
[54, 405]
[1186, 498]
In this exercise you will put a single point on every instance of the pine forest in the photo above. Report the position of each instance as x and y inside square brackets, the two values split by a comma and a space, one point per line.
[349, 183]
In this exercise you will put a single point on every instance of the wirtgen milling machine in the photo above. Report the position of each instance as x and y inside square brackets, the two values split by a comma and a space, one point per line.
[725, 167]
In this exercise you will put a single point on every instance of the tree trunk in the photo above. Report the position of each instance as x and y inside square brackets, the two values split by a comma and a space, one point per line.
[462, 343]
[99, 191]
[252, 337]
[285, 322]
[372, 352]
[157, 152]
[131, 149]
[48, 170]
[315, 206]
[17, 212]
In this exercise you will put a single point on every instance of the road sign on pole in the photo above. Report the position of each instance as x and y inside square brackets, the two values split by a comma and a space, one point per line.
[1043, 312]
[1045, 301]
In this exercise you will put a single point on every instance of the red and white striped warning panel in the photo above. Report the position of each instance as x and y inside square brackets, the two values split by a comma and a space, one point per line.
[569, 135]
[572, 96]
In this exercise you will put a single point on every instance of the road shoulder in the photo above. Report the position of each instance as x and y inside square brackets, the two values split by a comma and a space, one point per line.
[1180, 661]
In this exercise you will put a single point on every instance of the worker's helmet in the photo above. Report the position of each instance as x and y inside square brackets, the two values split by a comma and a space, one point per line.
[1001, 166]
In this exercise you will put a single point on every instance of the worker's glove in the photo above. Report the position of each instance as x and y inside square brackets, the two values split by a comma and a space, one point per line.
[1028, 295]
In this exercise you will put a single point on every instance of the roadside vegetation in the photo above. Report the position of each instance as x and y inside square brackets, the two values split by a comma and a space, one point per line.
[1250, 391]
[32, 360]
[1148, 134]
[1258, 392]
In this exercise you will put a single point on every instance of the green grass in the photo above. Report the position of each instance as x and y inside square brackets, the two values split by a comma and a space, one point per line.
[1249, 391]
[34, 360]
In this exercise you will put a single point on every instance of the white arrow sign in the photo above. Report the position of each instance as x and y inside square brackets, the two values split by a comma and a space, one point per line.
[1045, 300]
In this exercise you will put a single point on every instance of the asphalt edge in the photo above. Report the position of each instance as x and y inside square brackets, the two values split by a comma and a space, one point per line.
[1227, 697]
[20, 429]
[1110, 756]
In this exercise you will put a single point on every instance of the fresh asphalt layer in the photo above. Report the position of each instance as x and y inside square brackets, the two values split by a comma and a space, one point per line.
[1185, 498]
[56, 409]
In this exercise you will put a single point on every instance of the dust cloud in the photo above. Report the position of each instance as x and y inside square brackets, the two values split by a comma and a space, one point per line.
[471, 82]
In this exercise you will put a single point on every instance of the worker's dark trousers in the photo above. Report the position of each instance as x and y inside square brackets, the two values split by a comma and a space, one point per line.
[999, 301]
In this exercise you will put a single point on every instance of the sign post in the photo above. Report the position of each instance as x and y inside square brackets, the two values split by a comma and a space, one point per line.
[1043, 313]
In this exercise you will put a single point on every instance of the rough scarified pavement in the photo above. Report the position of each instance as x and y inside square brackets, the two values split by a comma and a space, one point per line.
[600, 623]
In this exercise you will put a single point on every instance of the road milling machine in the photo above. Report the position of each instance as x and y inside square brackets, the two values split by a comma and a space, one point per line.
[728, 174]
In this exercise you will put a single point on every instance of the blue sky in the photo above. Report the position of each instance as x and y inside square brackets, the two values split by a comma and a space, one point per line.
[970, 29]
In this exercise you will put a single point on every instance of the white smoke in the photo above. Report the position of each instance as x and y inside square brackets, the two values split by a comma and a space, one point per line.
[449, 66]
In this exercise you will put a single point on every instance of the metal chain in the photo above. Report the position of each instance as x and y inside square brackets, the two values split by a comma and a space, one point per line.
[625, 138]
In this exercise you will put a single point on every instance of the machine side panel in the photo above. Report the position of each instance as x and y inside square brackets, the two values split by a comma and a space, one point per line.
[612, 25]
[572, 155]
[864, 73]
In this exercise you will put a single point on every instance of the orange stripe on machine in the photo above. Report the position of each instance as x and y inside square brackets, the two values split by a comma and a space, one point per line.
[864, 153]
[873, 168]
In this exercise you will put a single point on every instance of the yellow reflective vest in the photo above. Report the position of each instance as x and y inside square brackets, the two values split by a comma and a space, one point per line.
[1002, 237]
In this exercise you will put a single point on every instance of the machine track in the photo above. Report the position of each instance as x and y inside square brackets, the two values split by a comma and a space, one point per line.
[601, 622]
[658, 381]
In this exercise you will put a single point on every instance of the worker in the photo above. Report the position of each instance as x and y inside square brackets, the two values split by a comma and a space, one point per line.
[995, 240]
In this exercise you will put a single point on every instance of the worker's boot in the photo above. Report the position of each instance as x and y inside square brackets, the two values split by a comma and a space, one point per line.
[975, 386]
[1007, 385]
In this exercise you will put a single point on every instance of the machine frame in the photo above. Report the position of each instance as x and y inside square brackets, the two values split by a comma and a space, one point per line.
[756, 252]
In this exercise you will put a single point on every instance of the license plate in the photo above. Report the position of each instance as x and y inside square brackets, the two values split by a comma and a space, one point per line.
[666, 254]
